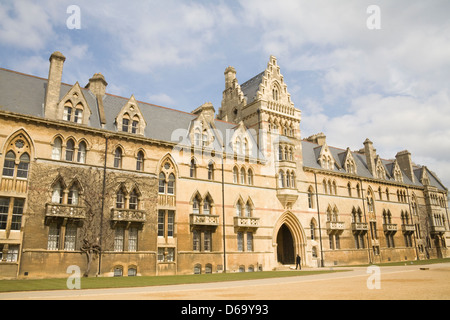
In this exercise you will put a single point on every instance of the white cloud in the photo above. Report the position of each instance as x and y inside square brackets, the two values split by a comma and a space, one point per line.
[25, 24]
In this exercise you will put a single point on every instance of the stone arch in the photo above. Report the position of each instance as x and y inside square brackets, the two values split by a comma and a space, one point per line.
[290, 221]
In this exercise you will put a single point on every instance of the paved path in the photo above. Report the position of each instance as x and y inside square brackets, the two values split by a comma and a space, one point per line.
[405, 282]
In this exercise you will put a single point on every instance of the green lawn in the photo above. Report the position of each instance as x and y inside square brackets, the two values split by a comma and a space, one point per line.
[122, 282]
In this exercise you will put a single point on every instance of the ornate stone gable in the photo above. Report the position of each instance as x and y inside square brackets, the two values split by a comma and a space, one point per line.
[73, 106]
[130, 118]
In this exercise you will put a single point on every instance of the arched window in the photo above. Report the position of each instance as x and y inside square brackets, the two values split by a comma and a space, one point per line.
[9, 164]
[78, 117]
[193, 169]
[171, 184]
[125, 122]
[250, 177]
[70, 149]
[162, 183]
[235, 175]
[248, 209]
[242, 176]
[134, 200]
[135, 125]
[206, 206]
[196, 206]
[288, 179]
[140, 161]
[73, 195]
[57, 193]
[118, 158]
[120, 199]
[211, 171]
[281, 179]
[81, 157]
[57, 149]
[239, 209]
[310, 198]
[68, 110]
[312, 227]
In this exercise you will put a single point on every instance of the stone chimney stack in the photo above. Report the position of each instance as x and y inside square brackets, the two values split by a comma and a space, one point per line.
[319, 138]
[97, 84]
[54, 84]
[370, 153]
[405, 163]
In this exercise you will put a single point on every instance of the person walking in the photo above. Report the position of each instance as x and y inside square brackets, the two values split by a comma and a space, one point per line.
[297, 263]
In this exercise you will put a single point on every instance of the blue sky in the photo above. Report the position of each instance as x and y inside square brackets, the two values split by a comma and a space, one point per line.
[390, 85]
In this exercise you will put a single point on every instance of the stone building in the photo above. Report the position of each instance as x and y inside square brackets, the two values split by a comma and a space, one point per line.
[139, 189]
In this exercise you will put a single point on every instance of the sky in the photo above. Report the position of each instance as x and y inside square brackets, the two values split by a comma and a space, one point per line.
[356, 69]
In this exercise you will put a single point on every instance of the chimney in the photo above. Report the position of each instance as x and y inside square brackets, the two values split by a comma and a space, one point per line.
[230, 76]
[54, 84]
[97, 84]
[405, 163]
[319, 138]
[370, 153]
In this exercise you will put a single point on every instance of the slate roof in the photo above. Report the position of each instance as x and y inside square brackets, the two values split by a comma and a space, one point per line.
[311, 152]
[25, 94]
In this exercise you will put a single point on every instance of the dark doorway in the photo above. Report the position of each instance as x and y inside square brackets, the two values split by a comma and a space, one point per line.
[285, 246]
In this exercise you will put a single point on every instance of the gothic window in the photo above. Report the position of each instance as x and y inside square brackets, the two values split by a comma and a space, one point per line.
[193, 169]
[120, 199]
[78, 116]
[73, 195]
[281, 181]
[118, 158]
[68, 109]
[196, 206]
[125, 122]
[57, 149]
[235, 175]
[81, 156]
[171, 184]
[134, 200]
[135, 125]
[250, 177]
[248, 209]
[242, 176]
[162, 183]
[70, 149]
[239, 208]
[211, 171]
[311, 197]
[140, 161]
[206, 206]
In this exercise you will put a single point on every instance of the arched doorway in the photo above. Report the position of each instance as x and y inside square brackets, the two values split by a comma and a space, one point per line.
[285, 246]
[289, 239]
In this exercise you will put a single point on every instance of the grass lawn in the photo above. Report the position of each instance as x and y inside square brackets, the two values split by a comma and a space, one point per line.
[123, 282]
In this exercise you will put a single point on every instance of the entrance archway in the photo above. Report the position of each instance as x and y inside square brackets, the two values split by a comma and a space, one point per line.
[289, 239]
[285, 246]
